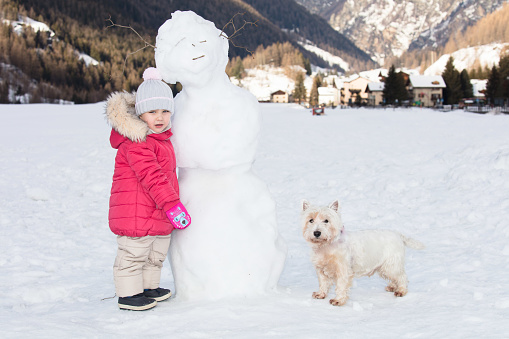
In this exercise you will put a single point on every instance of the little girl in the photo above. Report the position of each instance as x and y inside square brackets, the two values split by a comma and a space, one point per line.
[144, 201]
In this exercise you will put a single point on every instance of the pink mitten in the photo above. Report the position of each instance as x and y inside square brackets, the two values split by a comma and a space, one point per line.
[178, 216]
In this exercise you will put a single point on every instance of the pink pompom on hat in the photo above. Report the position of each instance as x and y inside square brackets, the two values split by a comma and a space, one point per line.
[152, 73]
[153, 93]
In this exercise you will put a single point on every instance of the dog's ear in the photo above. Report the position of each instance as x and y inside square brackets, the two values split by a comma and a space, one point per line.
[305, 204]
[334, 205]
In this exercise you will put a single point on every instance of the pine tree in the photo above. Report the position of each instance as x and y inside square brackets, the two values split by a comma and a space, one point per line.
[313, 95]
[388, 92]
[473, 74]
[299, 93]
[237, 69]
[466, 86]
[307, 66]
[492, 85]
[401, 91]
[504, 76]
[4, 92]
[394, 89]
[452, 93]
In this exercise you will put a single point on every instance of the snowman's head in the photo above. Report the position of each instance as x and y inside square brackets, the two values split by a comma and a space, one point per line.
[190, 49]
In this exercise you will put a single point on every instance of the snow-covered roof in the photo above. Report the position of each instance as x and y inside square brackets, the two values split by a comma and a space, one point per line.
[374, 74]
[327, 90]
[376, 86]
[352, 78]
[427, 81]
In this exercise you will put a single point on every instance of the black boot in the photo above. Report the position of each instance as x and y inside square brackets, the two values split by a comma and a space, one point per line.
[137, 302]
[157, 294]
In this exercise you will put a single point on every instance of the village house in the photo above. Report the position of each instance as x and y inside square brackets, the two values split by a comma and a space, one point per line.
[354, 90]
[375, 91]
[328, 96]
[279, 96]
[426, 90]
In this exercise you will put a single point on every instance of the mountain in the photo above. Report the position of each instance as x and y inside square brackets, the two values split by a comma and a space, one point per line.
[465, 14]
[474, 48]
[387, 28]
[299, 23]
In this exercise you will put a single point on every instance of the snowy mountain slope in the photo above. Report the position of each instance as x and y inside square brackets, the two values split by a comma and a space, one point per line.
[37, 26]
[441, 178]
[466, 58]
[466, 14]
[19, 25]
[328, 57]
[389, 28]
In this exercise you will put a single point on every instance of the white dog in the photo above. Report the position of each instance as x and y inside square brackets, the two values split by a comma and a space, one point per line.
[339, 256]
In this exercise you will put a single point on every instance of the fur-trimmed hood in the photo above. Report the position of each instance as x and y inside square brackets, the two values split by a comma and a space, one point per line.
[122, 117]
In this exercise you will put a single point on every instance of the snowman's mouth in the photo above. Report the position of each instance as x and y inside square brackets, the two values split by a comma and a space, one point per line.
[199, 57]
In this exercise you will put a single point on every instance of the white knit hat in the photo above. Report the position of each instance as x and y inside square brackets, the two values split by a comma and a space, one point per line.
[153, 93]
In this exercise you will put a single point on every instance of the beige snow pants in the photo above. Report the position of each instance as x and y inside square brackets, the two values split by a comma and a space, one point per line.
[138, 263]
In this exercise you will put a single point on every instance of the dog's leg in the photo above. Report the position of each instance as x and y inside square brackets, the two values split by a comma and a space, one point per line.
[401, 283]
[344, 280]
[395, 273]
[391, 287]
[324, 284]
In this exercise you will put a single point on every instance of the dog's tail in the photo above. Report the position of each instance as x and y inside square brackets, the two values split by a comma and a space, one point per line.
[412, 243]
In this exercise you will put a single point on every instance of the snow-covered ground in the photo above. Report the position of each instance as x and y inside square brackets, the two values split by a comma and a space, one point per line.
[442, 178]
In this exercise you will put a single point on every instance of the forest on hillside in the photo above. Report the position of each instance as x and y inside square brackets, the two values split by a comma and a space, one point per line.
[492, 28]
[82, 27]
[49, 67]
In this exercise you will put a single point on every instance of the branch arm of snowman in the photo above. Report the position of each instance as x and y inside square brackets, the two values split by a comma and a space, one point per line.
[236, 32]
[147, 44]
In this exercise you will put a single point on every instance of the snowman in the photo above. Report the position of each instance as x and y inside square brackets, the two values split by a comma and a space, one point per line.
[232, 248]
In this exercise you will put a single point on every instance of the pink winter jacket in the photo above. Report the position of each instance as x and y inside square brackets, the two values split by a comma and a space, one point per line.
[145, 184]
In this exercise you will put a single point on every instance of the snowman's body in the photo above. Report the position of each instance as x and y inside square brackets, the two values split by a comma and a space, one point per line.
[232, 247]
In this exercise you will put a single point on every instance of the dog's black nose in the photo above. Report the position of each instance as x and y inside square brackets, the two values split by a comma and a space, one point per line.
[317, 233]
